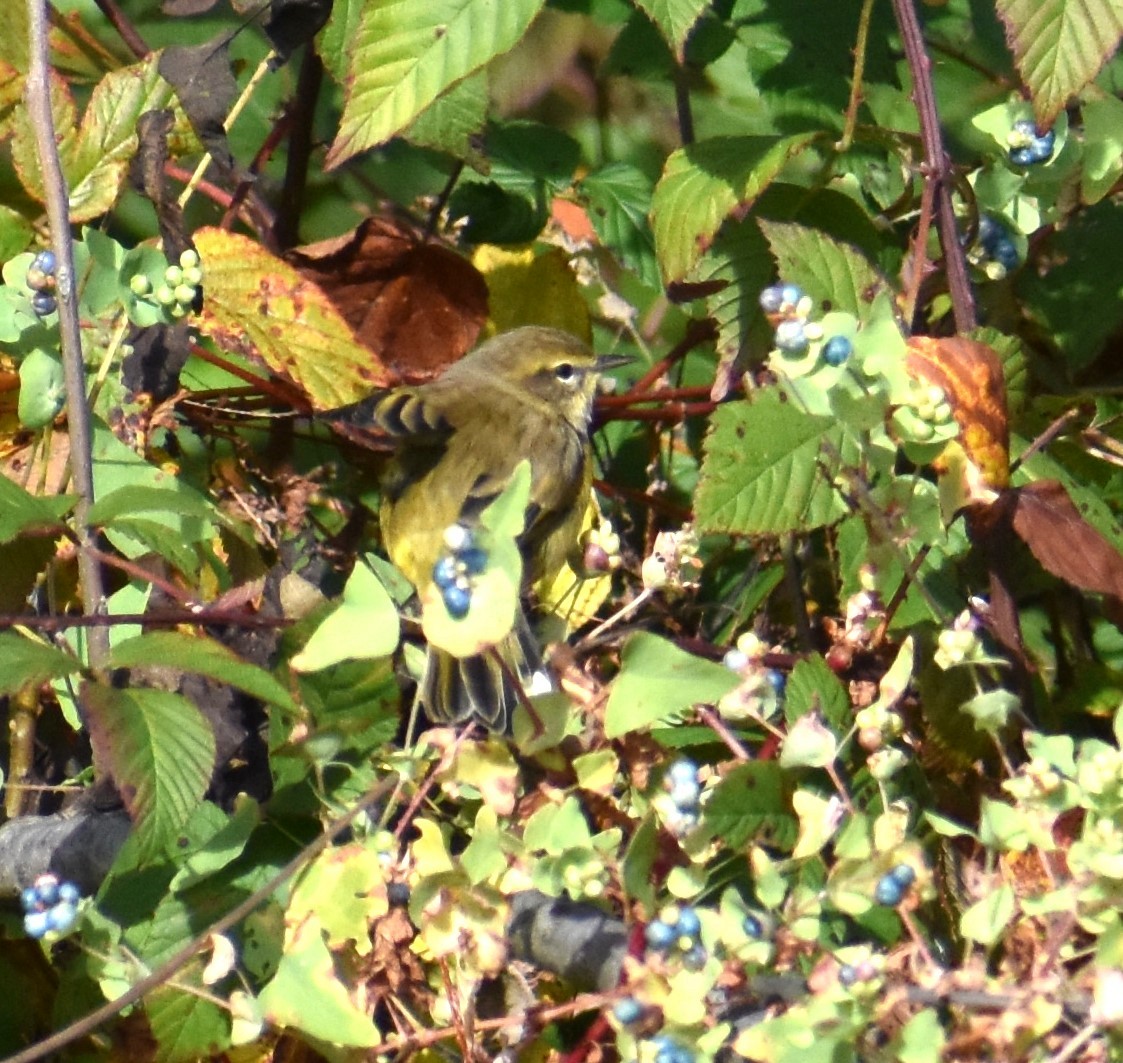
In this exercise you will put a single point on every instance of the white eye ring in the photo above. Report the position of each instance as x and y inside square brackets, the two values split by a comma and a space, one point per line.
[565, 373]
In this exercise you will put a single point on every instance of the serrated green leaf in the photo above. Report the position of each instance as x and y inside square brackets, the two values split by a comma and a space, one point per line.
[768, 469]
[825, 268]
[364, 625]
[1059, 46]
[186, 1025]
[22, 512]
[658, 680]
[404, 56]
[24, 662]
[813, 686]
[160, 752]
[702, 184]
[675, 19]
[751, 804]
[451, 122]
[202, 656]
[619, 197]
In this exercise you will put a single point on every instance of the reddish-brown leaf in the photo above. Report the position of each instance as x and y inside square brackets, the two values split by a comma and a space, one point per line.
[1064, 542]
[419, 305]
[971, 377]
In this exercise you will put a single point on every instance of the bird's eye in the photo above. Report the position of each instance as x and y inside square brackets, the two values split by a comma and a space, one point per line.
[565, 372]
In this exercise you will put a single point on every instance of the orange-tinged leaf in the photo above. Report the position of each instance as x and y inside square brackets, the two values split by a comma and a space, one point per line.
[970, 374]
[420, 305]
[1064, 542]
[260, 306]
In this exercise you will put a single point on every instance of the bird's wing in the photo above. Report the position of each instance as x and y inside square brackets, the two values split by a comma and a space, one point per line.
[402, 412]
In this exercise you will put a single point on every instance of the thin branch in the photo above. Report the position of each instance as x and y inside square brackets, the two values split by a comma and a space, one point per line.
[860, 47]
[125, 29]
[70, 336]
[302, 109]
[937, 167]
[177, 962]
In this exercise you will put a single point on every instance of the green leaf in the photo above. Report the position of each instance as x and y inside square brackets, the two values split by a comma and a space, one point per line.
[42, 389]
[985, 920]
[703, 183]
[307, 994]
[751, 804]
[1059, 46]
[922, 1039]
[808, 744]
[619, 198]
[22, 512]
[675, 19]
[453, 119]
[813, 686]
[222, 847]
[404, 56]
[768, 469]
[203, 656]
[1103, 147]
[828, 270]
[159, 750]
[186, 1025]
[24, 662]
[657, 680]
[141, 498]
[364, 625]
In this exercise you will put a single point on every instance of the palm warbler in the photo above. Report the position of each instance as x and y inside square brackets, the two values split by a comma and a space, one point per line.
[525, 395]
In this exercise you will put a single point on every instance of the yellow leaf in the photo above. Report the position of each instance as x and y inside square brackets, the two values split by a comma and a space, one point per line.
[259, 306]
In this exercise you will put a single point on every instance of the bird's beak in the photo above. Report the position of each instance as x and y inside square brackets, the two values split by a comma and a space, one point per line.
[612, 361]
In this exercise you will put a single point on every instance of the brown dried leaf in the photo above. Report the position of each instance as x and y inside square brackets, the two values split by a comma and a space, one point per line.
[970, 374]
[1064, 542]
[420, 305]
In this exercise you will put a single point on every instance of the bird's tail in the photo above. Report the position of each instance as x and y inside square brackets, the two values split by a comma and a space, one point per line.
[484, 688]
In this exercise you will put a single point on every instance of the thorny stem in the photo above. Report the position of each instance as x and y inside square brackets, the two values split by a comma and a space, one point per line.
[937, 166]
[855, 101]
[301, 114]
[70, 336]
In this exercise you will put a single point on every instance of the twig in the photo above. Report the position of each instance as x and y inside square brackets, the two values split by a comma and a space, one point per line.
[290, 206]
[937, 165]
[125, 29]
[860, 46]
[70, 336]
[230, 617]
[177, 962]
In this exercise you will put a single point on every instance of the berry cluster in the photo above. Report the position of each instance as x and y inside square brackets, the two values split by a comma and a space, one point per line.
[893, 885]
[50, 906]
[758, 695]
[41, 281]
[179, 287]
[998, 245]
[959, 644]
[788, 309]
[677, 933]
[453, 573]
[1027, 146]
[685, 791]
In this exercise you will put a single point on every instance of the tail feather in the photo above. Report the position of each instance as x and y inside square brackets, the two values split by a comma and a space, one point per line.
[479, 688]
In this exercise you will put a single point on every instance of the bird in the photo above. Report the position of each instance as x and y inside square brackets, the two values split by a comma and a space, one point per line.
[526, 394]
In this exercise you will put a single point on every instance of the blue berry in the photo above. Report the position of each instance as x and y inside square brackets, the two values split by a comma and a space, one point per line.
[444, 571]
[458, 600]
[68, 893]
[989, 231]
[771, 299]
[752, 926]
[1045, 144]
[473, 559]
[36, 924]
[627, 1011]
[659, 936]
[904, 875]
[46, 261]
[684, 795]
[43, 303]
[847, 974]
[29, 898]
[62, 917]
[790, 337]
[735, 660]
[836, 350]
[688, 924]
[888, 891]
[778, 681]
[694, 959]
[683, 771]
[1005, 253]
[46, 888]
[791, 294]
